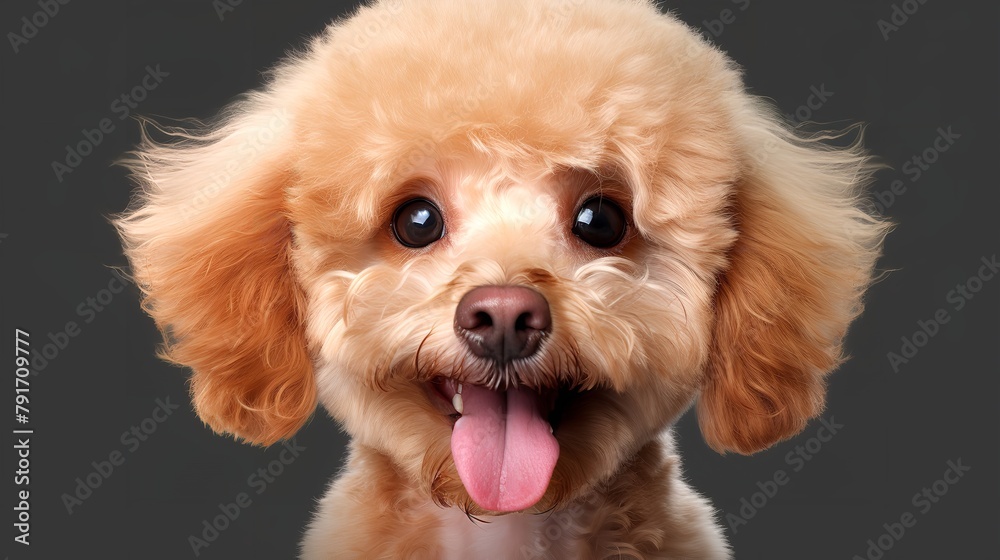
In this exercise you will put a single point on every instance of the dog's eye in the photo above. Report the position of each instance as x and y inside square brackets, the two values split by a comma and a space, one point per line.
[417, 223]
[600, 222]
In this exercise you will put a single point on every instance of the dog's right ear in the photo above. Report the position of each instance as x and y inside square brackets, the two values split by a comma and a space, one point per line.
[209, 244]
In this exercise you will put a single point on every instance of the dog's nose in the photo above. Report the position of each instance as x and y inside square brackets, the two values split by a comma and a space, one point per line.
[502, 323]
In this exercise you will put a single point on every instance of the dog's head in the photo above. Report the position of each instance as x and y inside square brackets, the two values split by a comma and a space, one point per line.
[505, 244]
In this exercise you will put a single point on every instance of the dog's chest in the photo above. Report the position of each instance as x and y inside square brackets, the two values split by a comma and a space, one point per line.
[515, 536]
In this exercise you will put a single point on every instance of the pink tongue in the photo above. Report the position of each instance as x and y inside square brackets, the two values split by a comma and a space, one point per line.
[504, 450]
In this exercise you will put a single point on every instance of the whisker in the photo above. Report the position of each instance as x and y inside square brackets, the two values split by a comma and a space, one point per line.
[416, 355]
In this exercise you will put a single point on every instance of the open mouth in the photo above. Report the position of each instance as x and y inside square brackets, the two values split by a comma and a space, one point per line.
[503, 440]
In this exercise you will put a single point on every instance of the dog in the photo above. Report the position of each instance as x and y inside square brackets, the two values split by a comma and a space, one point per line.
[505, 245]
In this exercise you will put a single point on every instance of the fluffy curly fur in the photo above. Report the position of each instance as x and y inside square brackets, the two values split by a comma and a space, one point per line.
[263, 246]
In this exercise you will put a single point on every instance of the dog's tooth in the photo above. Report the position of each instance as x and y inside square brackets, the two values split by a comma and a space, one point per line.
[551, 431]
[456, 401]
[459, 389]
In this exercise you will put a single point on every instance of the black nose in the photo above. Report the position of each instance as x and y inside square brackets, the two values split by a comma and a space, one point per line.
[502, 323]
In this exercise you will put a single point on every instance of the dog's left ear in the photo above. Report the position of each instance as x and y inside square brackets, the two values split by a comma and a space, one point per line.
[209, 241]
[803, 258]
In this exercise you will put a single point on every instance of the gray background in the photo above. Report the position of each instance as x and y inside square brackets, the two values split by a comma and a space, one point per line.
[900, 428]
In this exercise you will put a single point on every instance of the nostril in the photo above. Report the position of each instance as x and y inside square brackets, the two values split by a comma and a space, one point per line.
[534, 319]
[482, 319]
[528, 321]
[521, 324]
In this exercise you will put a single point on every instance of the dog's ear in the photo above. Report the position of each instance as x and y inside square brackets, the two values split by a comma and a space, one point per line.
[209, 243]
[803, 258]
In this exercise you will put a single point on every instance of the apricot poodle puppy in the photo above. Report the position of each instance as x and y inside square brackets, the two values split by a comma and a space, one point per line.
[505, 245]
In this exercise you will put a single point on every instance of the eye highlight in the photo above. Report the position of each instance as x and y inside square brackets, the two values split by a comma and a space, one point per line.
[600, 222]
[417, 223]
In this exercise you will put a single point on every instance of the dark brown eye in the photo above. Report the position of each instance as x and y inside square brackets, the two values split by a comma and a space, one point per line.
[600, 222]
[417, 223]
